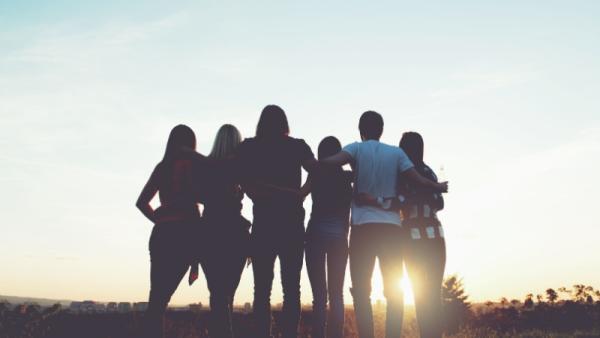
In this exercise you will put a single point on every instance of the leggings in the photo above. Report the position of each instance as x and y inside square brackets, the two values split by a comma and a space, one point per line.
[225, 253]
[169, 260]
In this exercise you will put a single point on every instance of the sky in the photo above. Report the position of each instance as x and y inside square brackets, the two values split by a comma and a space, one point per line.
[505, 95]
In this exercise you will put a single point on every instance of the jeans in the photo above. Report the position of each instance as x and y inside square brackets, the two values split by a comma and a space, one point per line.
[170, 258]
[326, 257]
[277, 235]
[384, 241]
[223, 260]
[425, 260]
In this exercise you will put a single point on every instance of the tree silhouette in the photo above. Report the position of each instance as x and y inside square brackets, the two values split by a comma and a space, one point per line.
[539, 298]
[456, 307]
[551, 295]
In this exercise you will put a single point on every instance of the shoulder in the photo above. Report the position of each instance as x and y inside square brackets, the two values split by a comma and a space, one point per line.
[296, 141]
[398, 152]
[247, 142]
[300, 146]
[352, 148]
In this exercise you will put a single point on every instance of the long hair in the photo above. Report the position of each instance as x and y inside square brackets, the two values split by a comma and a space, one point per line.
[181, 136]
[412, 144]
[329, 146]
[227, 139]
[272, 123]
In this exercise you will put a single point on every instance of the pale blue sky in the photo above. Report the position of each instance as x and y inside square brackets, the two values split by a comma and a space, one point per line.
[505, 94]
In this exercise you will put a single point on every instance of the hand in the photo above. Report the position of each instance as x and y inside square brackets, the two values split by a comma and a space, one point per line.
[443, 186]
[364, 198]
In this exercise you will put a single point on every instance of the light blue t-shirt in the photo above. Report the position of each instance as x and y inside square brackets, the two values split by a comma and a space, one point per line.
[377, 167]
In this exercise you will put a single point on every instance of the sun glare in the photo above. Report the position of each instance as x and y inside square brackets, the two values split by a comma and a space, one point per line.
[404, 283]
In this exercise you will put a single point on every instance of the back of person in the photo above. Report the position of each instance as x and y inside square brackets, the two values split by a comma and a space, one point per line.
[221, 194]
[275, 161]
[170, 240]
[421, 204]
[331, 192]
[175, 190]
[327, 241]
[377, 166]
[271, 164]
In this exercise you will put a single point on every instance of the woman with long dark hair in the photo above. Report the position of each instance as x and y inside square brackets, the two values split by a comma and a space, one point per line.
[425, 255]
[225, 233]
[272, 163]
[174, 222]
[327, 241]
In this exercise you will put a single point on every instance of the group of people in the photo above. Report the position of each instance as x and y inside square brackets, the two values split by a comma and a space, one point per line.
[387, 202]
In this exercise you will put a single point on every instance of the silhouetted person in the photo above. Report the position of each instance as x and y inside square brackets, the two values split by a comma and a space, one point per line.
[377, 233]
[327, 240]
[425, 254]
[272, 158]
[175, 219]
[225, 233]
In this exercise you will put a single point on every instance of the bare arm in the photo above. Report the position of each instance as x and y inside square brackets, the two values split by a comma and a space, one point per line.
[338, 159]
[413, 176]
[147, 194]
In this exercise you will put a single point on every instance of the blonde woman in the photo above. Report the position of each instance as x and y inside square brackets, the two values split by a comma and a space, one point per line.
[225, 232]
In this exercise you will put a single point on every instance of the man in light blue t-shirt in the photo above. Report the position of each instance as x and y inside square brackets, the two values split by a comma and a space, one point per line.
[377, 232]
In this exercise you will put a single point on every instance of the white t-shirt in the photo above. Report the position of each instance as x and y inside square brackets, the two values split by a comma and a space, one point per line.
[377, 167]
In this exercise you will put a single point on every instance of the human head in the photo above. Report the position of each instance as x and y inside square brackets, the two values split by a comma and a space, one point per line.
[272, 123]
[329, 146]
[227, 139]
[370, 126]
[181, 136]
[412, 144]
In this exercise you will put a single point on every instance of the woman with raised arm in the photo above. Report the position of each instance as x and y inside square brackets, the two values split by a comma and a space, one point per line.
[327, 241]
[174, 223]
[225, 233]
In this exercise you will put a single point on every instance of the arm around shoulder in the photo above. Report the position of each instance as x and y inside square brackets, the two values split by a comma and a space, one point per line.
[413, 176]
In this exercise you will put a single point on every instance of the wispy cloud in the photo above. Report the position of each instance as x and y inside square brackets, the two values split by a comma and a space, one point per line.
[65, 44]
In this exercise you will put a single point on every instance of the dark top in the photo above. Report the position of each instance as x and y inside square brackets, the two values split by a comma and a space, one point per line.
[219, 188]
[276, 161]
[331, 192]
[420, 205]
[176, 188]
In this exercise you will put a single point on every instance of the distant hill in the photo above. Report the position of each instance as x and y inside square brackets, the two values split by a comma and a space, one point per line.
[40, 301]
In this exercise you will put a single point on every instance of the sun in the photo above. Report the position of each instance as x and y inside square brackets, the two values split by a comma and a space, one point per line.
[404, 283]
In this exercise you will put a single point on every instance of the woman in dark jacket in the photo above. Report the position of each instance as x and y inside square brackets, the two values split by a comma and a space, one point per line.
[174, 223]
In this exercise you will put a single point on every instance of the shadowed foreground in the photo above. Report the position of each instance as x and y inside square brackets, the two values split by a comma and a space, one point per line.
[59, 323]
